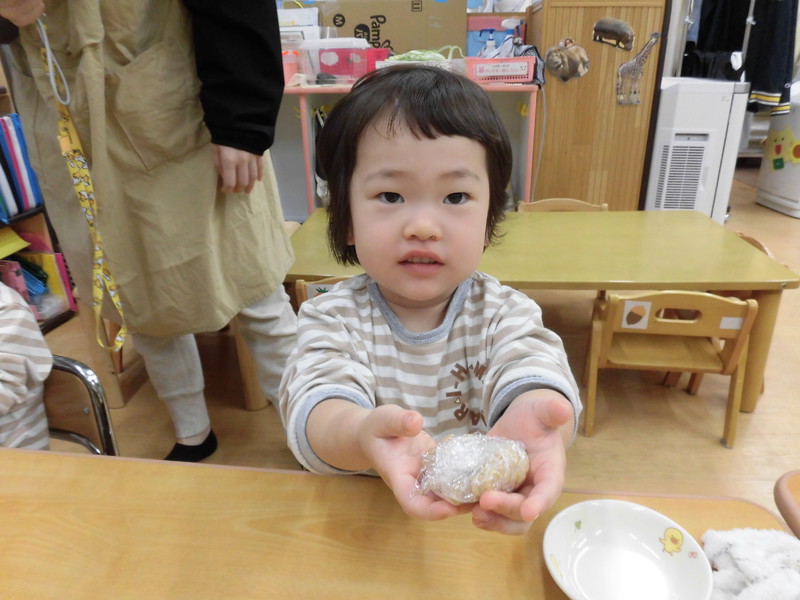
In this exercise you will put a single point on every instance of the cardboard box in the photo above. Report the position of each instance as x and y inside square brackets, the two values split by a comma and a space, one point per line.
[400, 25]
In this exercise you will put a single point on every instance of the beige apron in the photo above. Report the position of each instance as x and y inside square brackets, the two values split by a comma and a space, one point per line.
[185, 257]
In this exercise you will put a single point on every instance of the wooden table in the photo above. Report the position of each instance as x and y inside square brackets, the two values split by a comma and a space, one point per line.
[75, 526]
[616, 250]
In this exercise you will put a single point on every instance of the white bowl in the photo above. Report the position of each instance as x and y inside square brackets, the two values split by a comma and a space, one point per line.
[615, 550]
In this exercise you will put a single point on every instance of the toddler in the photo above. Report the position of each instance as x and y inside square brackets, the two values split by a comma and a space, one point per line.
[422, 345]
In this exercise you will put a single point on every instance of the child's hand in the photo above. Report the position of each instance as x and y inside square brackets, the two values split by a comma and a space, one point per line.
[543, 421]
[393, 441]
[238, 169]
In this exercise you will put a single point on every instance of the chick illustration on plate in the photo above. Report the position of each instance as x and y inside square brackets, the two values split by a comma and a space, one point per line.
[672, 540]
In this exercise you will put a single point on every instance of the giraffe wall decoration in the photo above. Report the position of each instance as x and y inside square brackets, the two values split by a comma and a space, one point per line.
[629, 73]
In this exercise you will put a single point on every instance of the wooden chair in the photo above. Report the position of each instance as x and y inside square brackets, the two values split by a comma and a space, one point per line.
[644, 332]
[76, 407]
[561, 205]
[671, 379]
[787, 499]
[305, 290]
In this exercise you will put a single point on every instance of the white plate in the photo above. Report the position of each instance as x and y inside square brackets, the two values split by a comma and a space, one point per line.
[615, 550]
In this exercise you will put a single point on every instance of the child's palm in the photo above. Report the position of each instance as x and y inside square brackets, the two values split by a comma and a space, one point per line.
[395, 443]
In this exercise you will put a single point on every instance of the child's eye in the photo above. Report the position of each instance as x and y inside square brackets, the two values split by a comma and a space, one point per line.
[391, 197]
[457, 198]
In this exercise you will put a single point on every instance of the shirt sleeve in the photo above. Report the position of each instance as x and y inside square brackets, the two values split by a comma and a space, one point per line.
[526, 356]
[239, 64]
[25, 359]
[8, 31]
[326, 363]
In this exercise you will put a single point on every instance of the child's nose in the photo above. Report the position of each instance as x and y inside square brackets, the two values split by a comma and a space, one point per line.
[423, 226]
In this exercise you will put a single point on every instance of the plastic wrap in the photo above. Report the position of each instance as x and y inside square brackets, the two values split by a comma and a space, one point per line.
[461, 468]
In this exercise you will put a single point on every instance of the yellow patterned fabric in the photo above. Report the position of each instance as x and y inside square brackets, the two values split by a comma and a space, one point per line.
[82, 182]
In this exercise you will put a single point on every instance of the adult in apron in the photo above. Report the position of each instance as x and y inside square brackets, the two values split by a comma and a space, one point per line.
[175, 105]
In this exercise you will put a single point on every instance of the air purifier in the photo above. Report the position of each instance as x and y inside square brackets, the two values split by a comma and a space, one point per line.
[696, 143]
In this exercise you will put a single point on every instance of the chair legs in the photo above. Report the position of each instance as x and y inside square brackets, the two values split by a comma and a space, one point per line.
[694, 383]
[590, 379]
[97, 398]
[734, 403]
[671, 379]
[588, 411]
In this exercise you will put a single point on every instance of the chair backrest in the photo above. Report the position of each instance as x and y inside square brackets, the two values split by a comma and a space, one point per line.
[561, 205]
[76, 407]
[755, 243]
[682, 314]
[745, 294]
[305, 290]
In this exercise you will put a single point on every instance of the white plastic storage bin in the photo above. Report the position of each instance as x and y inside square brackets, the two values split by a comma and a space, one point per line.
[779, 177]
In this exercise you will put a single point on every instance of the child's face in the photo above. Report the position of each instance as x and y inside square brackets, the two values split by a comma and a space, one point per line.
[419, 209]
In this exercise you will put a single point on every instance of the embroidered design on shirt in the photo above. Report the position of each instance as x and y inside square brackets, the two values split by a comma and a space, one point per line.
[462, 375]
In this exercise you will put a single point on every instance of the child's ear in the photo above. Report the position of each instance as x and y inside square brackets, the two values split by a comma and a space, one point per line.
[350, 239]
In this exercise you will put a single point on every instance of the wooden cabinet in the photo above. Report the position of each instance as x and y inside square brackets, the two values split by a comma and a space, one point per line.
[593, 148]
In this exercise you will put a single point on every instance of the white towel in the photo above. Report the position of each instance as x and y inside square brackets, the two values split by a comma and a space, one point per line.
[753, 564]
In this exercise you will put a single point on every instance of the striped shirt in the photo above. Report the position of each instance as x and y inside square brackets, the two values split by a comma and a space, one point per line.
[25, 363]
[490, 348]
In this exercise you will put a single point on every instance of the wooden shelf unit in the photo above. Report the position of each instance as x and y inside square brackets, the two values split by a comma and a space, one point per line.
[516, 104]
[35, 221]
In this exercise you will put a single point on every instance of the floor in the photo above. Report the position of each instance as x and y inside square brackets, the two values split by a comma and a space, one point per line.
[648, 438]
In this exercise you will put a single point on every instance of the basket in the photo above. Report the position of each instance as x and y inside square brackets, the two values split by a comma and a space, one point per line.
[517, 69]
[454, 65]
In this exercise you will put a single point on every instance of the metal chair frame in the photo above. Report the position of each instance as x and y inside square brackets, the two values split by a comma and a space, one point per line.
[100, 412]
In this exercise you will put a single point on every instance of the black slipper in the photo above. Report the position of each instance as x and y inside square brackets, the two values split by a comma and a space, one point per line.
[184, 453]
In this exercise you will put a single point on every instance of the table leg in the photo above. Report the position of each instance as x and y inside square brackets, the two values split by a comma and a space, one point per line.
[531, 142]
[760, 340]
[307, 151]
[254, 398]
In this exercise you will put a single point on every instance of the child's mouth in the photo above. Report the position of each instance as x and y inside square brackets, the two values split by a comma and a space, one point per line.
[422, 261]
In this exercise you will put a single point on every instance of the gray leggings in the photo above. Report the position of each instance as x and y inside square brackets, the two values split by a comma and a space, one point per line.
[268, 327]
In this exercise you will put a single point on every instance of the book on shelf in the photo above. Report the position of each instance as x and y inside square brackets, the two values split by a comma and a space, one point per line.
[8, 203]
[10, 242]
[51, 269]
[44, 281]
[20, 177]
[11, 275]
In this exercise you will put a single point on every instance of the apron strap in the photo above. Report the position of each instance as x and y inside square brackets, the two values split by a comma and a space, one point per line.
[78, 167]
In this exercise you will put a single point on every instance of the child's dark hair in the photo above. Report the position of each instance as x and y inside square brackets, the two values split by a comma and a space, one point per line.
[430, 102]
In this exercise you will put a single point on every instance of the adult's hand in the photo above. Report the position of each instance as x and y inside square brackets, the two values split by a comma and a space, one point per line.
[21, 12]
[238, 169]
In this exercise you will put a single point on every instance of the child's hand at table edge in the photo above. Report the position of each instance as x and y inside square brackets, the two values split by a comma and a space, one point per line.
[394, 443]
[543, 421]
